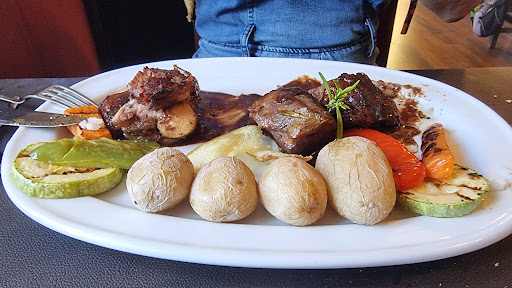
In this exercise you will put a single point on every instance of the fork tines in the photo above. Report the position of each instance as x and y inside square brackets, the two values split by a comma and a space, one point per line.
[64, 96]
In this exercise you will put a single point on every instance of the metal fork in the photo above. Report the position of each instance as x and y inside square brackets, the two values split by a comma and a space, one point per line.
[57, 94]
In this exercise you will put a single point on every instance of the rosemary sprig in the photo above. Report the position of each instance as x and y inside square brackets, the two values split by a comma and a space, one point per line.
[336, 102]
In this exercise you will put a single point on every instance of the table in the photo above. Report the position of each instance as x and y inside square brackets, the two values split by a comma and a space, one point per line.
[32, 255]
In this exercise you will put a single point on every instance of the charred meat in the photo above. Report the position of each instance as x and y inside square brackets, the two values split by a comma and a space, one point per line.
[109, 107]
[294, 119]
[160, 89]
[161, 105]
[369, 107]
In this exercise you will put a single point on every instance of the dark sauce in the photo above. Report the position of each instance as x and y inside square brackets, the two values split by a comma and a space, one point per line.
[220, 113]
[410, 114]
[405, 134]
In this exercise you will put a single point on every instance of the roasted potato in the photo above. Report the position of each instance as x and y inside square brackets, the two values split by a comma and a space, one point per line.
[293, 191]
[160, 179]
[359, 179]
[225, 190]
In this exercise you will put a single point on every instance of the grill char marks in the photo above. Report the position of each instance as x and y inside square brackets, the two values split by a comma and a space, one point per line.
[430, 136]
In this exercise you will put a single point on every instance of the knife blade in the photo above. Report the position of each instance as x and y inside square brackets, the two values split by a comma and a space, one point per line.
[25, 117]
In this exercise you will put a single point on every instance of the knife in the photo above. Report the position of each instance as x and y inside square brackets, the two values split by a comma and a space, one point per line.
[30, 118]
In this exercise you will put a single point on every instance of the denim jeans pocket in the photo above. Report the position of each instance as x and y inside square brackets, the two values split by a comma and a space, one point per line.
[357, 52]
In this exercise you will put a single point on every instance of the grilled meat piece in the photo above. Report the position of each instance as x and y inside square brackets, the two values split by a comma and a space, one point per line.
[109, 107]
[161, 105]
[160, 89]
[369, 107]
[294, 119]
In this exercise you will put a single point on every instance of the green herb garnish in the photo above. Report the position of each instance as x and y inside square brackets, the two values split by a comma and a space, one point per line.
[336, 102]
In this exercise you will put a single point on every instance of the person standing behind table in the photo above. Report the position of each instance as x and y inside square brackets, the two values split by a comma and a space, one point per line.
[341, 30]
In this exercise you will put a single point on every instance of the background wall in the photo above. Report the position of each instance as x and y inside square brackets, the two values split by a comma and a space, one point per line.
[45, 39]
[56, 38]
[138, 31]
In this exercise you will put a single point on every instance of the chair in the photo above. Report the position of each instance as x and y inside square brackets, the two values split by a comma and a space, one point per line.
[385, 31]
[508, 18]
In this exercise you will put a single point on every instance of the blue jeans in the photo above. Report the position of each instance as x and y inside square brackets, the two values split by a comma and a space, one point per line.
[342, 30]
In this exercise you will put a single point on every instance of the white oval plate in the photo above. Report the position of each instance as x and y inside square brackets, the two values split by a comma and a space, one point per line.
[479, 137]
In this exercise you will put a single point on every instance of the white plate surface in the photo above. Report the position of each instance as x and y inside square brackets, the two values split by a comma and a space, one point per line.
[479, 137]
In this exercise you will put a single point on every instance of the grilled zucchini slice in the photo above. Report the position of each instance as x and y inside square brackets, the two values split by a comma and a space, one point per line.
[43, 180]
[453, 197]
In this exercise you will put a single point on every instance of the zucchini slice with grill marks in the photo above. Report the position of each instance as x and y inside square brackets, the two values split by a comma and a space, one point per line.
[43, 180]
[453, 197]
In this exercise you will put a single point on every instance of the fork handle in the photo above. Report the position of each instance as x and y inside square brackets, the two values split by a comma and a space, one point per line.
[15, 100]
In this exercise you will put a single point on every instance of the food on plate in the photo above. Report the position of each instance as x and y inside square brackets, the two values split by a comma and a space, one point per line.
[161, 106]
[218, 112]
[95, 153]
[368, 106]
[301, 119]
[293, 191]
[336, 101]
[295, 120]
[108, 109]
[359, 179]
[221, 113]
[362, 171]
[270, 155]
[160, 180]
[167, 106]
[408, 171]
[247, 139]
[225, 190]
[436, 155]
[93, 127]
[43, 180]
[454, 197]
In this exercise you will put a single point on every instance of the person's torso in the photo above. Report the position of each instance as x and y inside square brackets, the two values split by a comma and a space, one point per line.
[286, 23]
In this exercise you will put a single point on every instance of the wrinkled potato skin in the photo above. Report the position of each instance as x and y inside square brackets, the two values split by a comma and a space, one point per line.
[359, 179]
[225, 190]
[160, 179]
[293, 191]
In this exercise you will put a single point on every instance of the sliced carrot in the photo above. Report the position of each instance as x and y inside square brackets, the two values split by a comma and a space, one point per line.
[436, 155]
[408, 171]
[87, 111]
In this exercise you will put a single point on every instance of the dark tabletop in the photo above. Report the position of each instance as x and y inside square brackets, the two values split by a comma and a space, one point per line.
[32, 255]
